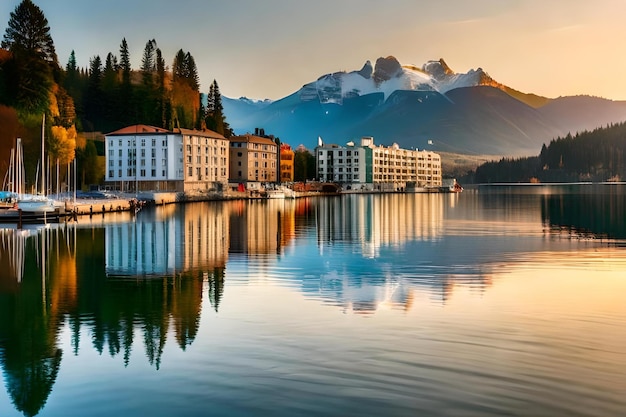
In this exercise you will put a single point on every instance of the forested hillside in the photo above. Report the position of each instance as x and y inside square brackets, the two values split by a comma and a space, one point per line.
[104, 97]
[596, 155]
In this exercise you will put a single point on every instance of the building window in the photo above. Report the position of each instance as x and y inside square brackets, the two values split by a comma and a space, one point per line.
[239, 154]
[110, 173]
[143, 172]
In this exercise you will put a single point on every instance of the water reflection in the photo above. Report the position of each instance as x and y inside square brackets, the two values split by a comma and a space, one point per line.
[375, 222]
[12, 246]
[587, 215]
[118, 281]
[30, 307]
[166, 241]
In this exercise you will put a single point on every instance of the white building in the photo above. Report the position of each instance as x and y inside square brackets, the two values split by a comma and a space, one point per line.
[370, 167]
[145, 157]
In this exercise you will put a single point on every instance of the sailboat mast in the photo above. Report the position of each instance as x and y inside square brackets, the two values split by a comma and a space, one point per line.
[43, 161]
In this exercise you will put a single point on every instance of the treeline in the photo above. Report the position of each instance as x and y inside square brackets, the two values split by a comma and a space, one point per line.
[104, 97]
[596, 155]
[110, 94]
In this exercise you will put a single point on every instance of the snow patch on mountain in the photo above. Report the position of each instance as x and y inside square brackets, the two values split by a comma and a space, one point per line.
[389, 76]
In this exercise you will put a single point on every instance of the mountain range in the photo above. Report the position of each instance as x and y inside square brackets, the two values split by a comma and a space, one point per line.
[428, 107]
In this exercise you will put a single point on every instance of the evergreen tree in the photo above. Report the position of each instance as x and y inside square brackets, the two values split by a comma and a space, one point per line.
[28, 32]
[215, 119]
[125, 62]
[161, 90]
[126, 112]
[148, 63]
[93, 99]
[110, 96]
[185, 94]
[191, 72]
[29, 73]
[178, 68]
[73, 83]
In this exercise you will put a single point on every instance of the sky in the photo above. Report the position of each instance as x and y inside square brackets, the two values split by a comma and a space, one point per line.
[270, 48]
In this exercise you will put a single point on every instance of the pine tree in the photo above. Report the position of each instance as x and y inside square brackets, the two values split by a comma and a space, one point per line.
[28, 32]
[93, 99]
[29, 73]
[185, 94]
[125, 62]
[215, 119]
[72, 80]
[191, 72]
[148, 63]
[126, 108]
[162, 94]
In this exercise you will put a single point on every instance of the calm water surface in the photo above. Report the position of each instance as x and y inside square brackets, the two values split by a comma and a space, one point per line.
[500, 301]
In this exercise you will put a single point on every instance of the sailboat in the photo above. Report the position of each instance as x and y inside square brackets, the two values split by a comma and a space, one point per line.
[28, 203]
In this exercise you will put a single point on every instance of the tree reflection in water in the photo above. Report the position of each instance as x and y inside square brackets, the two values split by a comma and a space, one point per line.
[56, 285]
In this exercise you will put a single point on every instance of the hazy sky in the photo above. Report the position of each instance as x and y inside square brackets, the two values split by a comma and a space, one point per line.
[270, 48]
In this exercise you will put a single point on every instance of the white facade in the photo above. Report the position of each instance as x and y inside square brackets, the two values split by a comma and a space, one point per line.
[345, 165]
[385, 168]
[150, 158]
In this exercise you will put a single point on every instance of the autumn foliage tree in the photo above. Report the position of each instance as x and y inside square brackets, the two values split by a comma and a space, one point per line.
[31, 83]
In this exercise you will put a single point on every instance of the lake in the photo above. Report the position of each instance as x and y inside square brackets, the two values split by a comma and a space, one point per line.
[499, 301]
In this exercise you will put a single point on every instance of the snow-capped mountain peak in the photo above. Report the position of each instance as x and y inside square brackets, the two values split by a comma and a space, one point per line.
[388, 76]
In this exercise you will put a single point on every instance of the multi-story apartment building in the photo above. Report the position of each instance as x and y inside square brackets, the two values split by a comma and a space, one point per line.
[287, 156]
[253, 160]
[383, 168]
[145, 158]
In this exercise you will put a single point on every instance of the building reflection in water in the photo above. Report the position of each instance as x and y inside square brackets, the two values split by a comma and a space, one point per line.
[261, 227]
[76, 276]
[166, 241]
[378, 221]
[386, 226]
